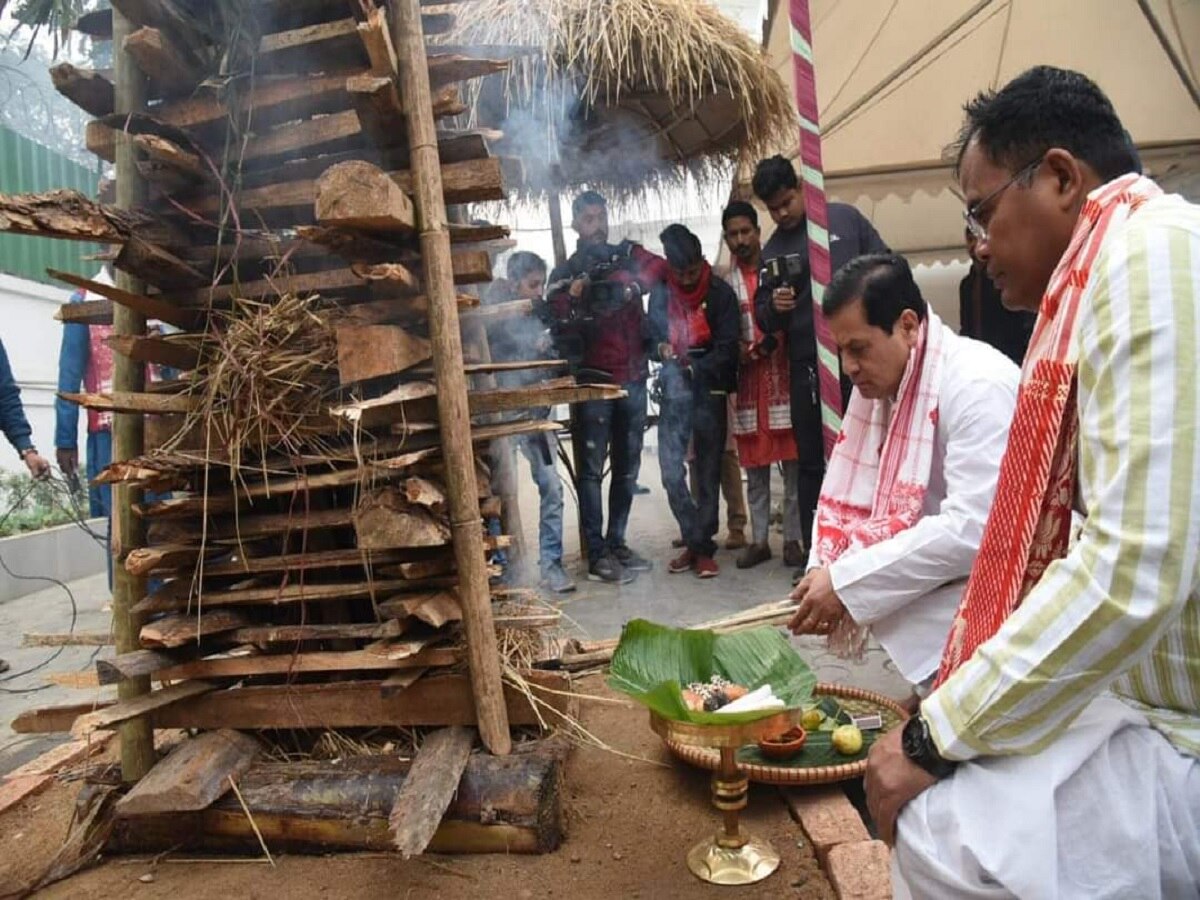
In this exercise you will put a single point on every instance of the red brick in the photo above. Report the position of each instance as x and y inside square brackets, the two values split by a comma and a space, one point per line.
[14, 790]
[827, 817]
[861, 871]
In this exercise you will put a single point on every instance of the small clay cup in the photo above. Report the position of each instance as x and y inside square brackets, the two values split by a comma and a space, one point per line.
[785, 746]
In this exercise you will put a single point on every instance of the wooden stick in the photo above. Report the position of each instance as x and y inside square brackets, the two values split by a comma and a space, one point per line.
[482, 648]
[286, 634]
[362, 196]
[134, 708]
[193, 775]
[437, 700]
[89, 90]
[174, 353]
[166, 63]
[134, 664]
[134, 403]
[288, 663]
[165, 602]
[71, 639]
[181, 630]
[136, 301]
[463, 182]
[400, 680]
[377, 41]
[137, 739]
[427, 791]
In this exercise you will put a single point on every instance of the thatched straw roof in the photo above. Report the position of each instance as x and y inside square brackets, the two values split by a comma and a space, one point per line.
[624, 94]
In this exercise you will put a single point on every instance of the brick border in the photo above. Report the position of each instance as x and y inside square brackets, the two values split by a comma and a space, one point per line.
[858, 868]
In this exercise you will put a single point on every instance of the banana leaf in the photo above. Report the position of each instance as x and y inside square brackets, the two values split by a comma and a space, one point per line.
[652, 663]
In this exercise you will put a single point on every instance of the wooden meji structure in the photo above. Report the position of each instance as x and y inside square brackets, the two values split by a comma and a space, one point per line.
[334, 576]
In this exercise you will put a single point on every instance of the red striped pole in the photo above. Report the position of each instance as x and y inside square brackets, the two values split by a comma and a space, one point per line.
[817, 214]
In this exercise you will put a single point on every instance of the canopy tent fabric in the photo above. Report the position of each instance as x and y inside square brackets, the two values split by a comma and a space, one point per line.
[892, 76]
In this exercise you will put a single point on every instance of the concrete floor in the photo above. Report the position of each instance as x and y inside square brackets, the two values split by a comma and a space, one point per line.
[594, 610]
[47, 610]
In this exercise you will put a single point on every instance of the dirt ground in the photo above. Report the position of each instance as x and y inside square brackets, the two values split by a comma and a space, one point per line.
[631, 822]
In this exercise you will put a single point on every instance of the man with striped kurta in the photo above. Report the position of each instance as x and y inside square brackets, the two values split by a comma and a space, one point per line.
[1058, 754]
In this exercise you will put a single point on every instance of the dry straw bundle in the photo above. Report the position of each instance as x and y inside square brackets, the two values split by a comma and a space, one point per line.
[268, 372]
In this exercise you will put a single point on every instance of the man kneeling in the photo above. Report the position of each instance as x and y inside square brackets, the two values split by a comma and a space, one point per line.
[912, 475]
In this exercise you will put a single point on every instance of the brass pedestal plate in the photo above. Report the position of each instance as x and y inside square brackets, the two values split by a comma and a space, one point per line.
[731, 856]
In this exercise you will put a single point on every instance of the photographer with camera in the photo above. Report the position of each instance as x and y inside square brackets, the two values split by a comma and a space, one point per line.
[595, 306]
[783, 302]
[762, 421]
[694, 327]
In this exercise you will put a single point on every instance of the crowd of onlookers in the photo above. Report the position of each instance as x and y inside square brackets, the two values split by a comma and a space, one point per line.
[732, 358]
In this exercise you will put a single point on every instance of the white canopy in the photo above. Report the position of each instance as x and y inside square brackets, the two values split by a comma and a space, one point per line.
[892, 76]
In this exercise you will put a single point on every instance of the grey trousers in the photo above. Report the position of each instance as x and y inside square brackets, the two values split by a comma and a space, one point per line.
[758, 496]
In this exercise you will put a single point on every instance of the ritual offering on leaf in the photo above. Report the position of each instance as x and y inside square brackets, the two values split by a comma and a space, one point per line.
[697, 676]
[714, 694]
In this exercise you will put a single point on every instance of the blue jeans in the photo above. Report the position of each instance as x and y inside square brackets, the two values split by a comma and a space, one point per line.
[601, 425]
[699, 418]
[540, 450]
[99, 455]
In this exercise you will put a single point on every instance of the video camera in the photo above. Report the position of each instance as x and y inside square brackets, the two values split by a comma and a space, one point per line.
[790, 270]
[603, 295]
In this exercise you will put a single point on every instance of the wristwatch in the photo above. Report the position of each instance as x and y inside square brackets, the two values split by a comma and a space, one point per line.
[919, 747]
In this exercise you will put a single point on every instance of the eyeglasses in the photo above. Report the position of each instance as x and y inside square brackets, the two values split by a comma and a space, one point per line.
[971, 213]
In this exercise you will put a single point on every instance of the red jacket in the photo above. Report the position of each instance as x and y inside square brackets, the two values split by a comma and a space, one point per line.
[616, 342]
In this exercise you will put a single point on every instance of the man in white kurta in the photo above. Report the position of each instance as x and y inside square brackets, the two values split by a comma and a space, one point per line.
[900, 572]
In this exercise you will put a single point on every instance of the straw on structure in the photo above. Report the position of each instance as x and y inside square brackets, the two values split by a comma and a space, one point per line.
[625, 94]
[268, 372]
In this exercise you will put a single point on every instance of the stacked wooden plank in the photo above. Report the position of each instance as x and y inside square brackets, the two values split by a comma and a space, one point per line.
[299, 578]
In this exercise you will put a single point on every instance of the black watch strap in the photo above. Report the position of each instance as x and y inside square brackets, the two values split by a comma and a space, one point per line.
[919, 747]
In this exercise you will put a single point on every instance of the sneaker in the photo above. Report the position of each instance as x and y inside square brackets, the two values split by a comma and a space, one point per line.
[632, 561]
[555, 578]
[706, 567]
[678, 543]
[753, 555]
[639, 489]
[608, 570]
[793, 554]
[682, 563]
[735, 540]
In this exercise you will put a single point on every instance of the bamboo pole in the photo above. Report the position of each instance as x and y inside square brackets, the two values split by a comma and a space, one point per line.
[482, 650]
[503, 450]
[556, 228]
[137, 737]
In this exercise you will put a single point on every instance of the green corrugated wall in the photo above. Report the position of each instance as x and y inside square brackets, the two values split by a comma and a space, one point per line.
[26, 167]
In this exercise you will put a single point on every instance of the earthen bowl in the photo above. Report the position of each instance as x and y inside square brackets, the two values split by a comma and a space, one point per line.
[785, 746]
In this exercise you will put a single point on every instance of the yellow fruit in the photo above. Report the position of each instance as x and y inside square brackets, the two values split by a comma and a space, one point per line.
[811, 720]
[847, 739]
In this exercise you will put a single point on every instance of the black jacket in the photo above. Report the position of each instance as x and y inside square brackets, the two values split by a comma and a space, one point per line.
[850, 235]
[716, 368]
[981, 315]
